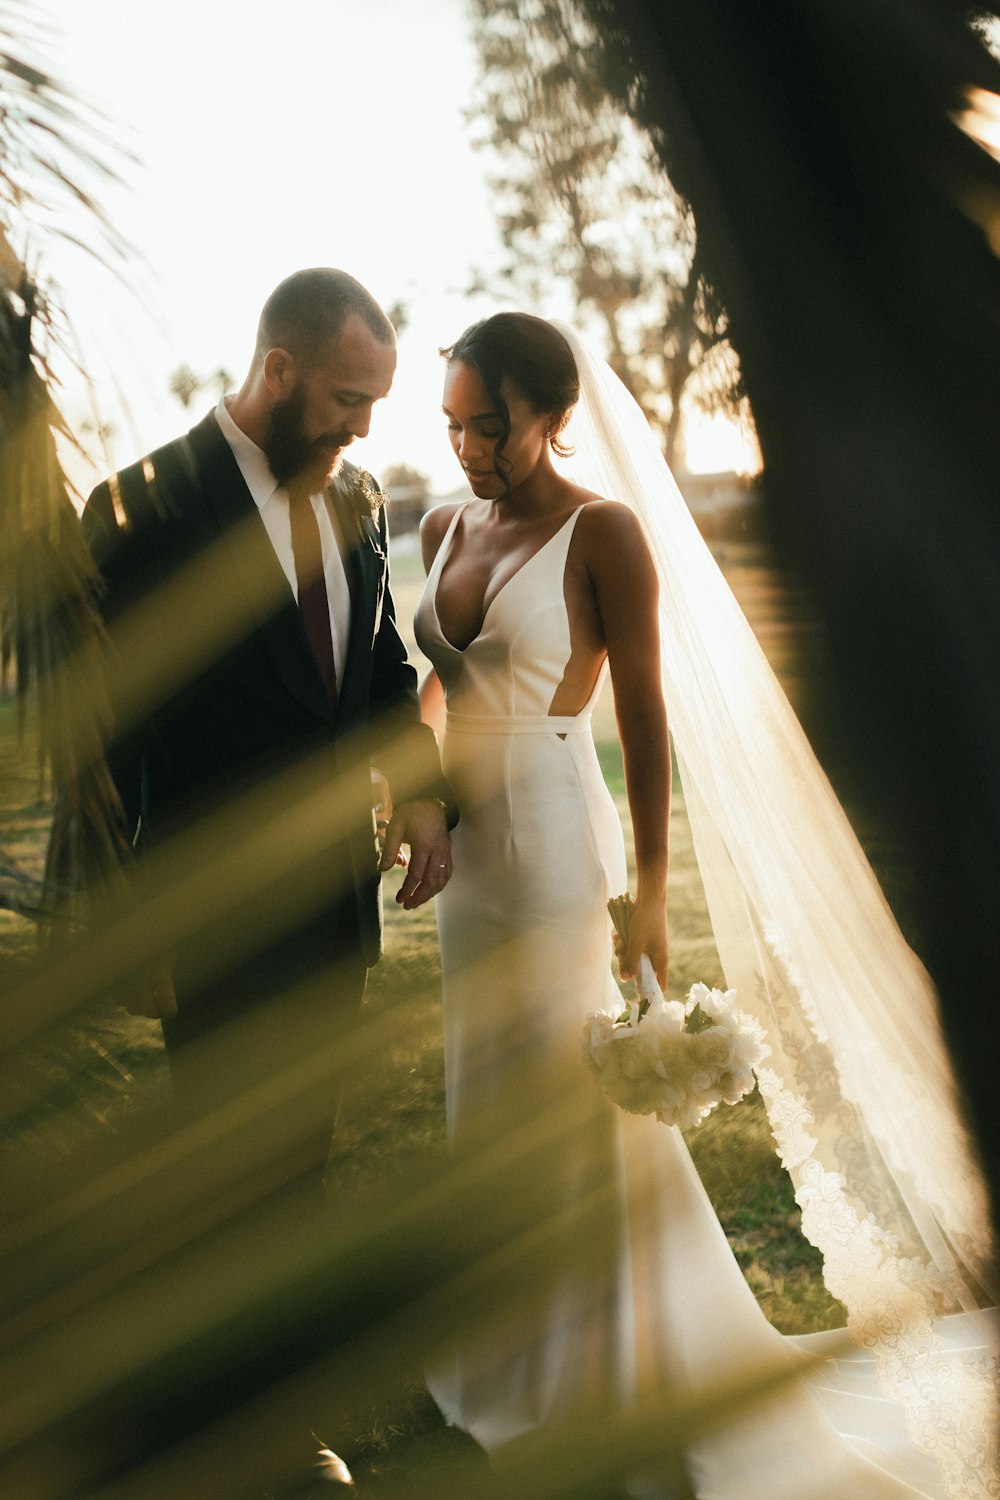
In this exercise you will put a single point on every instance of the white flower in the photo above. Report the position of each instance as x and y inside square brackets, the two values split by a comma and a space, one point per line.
[681, 1059]
[597, 1030]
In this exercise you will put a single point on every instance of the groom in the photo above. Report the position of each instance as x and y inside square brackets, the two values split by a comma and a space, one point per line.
[258, 678]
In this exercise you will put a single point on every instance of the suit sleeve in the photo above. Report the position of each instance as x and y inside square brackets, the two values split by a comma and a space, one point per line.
[119, 545]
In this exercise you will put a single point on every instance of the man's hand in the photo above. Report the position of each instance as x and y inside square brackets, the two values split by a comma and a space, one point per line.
[152, 993]
[420, 824]
[382, 805]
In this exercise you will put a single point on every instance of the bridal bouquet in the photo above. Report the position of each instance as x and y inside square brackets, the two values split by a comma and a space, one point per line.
[675, 1059]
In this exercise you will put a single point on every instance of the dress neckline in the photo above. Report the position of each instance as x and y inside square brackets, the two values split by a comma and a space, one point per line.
[443, 554]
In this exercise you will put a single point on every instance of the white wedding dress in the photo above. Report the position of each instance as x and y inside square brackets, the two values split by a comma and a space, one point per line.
[526, 956]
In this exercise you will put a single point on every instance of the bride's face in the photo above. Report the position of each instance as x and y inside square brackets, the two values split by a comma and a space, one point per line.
[475, 427]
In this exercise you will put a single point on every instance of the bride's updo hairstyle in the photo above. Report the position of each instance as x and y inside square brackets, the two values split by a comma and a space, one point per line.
[534, 357]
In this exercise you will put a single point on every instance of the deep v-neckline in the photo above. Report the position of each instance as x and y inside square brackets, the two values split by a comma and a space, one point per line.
[445, 553]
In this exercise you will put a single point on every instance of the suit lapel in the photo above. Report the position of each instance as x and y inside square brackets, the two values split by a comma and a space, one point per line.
[254, 564]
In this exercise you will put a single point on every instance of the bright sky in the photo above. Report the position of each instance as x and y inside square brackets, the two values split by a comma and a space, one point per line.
[270, 137]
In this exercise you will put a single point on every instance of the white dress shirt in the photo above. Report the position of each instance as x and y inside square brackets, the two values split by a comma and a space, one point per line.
[271, 500]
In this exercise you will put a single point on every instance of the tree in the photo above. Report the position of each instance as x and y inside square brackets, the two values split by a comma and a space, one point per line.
[582, 199]
[410, 492]
[185, 383]
[402, 479]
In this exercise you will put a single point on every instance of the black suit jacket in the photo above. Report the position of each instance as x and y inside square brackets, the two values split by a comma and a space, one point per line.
[216, 694]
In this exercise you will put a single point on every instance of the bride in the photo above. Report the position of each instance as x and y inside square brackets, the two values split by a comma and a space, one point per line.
[536, 588]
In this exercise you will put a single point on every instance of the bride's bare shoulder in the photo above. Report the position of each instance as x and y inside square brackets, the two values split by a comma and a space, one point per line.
[433, 525]
[609, 522]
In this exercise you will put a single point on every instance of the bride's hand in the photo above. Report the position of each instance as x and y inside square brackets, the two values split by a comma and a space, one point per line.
[647, 934]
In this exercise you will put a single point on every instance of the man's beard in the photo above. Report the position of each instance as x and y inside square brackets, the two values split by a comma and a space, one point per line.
[310, 463]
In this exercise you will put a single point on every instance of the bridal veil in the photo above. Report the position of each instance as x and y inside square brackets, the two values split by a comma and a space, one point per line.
[858, 1087]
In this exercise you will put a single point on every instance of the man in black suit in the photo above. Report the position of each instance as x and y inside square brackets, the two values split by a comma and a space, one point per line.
[260, 676]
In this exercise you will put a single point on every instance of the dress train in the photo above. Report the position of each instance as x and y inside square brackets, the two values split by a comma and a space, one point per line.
[645, 1292]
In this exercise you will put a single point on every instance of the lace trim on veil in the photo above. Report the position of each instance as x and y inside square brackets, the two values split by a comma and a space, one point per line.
[859, 1089]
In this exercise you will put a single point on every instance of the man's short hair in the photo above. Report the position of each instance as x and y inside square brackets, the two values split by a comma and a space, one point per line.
[311, 307]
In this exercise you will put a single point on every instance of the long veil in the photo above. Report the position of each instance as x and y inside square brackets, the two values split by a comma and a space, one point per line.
[858, 1087]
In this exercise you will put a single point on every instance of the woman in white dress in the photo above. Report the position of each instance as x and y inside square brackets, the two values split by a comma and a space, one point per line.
[536, 588]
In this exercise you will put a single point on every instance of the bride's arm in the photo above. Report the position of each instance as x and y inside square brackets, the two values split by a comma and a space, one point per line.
[626, 591]
[433, 526]
[432, 705]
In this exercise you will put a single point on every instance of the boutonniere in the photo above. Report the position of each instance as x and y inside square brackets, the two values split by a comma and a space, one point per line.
[363, 494]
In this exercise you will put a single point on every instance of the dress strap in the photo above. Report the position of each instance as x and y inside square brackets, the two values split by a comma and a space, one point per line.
[441, 556]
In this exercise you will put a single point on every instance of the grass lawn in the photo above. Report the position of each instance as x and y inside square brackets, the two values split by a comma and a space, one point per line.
[93, 1074]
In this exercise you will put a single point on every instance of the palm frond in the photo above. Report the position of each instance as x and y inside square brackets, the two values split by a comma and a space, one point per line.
[50, 145]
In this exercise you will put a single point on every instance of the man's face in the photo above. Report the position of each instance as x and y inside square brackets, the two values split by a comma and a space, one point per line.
[328, 406]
